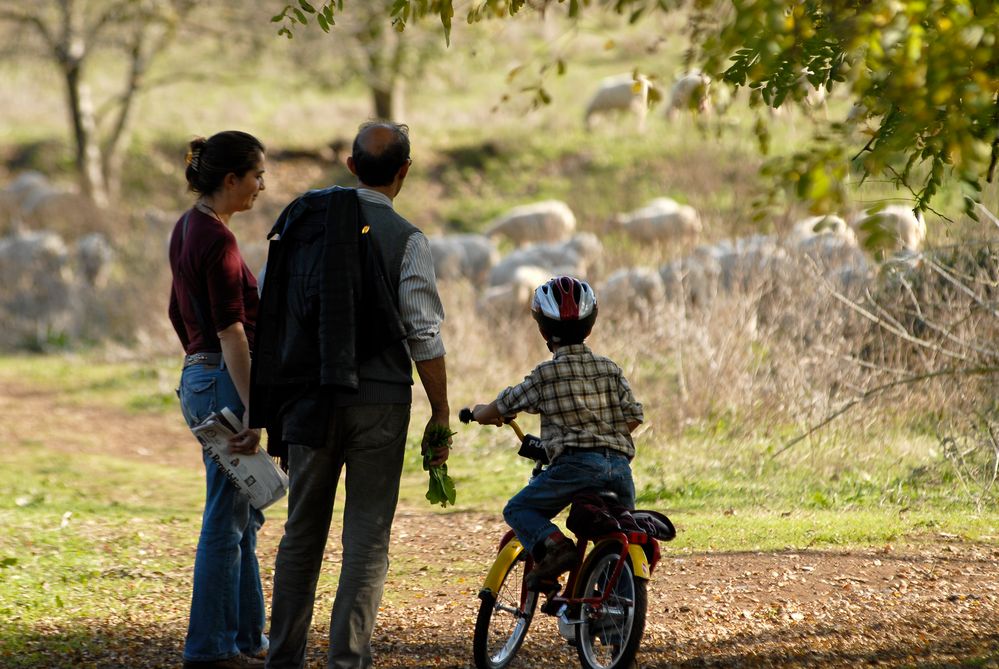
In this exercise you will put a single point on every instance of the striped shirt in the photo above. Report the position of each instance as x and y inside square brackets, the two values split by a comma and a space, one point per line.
[419, 303]
[583, 399]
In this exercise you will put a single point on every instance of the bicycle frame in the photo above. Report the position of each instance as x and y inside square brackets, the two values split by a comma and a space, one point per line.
[593, 607]
[628, 551]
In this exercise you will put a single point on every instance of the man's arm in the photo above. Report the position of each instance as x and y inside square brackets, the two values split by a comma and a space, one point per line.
[433, 375]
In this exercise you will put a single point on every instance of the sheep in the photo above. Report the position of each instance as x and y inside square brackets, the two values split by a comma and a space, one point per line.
[94, 256]
[545, 221]
[463, 257]
[637, 291]
[513, 298]
[894, 229]
[661, 220]
[694, 278]
[622, 92]
[37, 289]
[812, 226]
[576, 256]
[829, 243]
[691, 92]
[748, 262]
[32, 200]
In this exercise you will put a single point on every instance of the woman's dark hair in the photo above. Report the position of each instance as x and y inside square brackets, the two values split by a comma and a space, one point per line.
[210, 160]
[379, 167]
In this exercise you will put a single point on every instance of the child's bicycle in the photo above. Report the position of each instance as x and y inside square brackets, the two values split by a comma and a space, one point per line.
[601, 609]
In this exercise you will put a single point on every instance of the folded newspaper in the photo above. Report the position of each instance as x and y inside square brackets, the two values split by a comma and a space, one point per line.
[255, 475]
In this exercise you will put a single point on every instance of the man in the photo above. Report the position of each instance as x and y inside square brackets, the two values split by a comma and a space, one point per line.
[349, 299]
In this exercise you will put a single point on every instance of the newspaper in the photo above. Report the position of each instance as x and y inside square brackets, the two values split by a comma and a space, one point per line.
[255, 475]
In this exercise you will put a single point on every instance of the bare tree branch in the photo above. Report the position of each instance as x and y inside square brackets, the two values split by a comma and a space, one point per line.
[877, 390]
[32, 20]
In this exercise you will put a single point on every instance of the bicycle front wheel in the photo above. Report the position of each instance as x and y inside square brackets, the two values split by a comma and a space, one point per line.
[608, 636]
[503, 620]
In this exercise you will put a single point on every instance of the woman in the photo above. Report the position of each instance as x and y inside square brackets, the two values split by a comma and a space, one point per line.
[213, 308]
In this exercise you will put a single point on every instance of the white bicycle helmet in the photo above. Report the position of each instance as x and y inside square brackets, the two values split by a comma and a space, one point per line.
[565, 309]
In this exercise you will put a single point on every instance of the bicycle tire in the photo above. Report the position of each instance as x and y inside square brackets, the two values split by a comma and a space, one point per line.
[503, 621]
[611, 640]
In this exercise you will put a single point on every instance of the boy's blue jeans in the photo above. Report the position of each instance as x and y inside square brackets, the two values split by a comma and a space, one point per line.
[227, 605]
[530, 511]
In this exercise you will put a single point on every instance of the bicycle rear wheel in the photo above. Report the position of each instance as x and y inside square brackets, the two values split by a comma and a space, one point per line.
[503, 620]
[608, 637]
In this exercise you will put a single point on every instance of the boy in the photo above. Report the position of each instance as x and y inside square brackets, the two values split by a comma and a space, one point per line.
[587, 415]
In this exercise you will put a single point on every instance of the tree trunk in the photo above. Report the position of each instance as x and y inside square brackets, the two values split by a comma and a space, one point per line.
[88, 155]
[384, 101]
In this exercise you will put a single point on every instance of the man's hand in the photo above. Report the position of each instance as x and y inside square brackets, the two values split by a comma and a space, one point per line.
[245, 442]
[441, 451]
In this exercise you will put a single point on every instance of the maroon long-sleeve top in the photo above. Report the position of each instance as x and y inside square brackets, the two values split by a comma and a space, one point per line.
[209, 270]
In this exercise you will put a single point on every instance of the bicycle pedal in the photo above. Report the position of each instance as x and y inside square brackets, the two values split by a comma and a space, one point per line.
[552, 606]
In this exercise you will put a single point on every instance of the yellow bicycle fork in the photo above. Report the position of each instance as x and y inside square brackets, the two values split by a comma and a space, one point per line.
[512, 549]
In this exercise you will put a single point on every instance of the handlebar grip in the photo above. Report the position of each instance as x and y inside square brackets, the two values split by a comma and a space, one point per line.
[465, 415]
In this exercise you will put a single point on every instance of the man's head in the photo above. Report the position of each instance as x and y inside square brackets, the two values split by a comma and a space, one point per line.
[565, 309]
[380, 156]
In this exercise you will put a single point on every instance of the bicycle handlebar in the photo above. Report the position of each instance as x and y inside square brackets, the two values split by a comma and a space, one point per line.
[530, 446]
[465, 416]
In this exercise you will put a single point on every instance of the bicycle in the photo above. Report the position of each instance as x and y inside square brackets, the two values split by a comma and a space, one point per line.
[601, 610]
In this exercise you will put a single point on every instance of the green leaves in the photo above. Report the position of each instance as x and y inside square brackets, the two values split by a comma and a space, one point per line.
[441, 488]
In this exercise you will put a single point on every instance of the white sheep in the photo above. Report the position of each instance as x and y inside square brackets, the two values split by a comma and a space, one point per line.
[463, 256]
[661, 220]
[37, 286]
[695, 278]
[620, 93]
[94, 256]
[513, 298]
[545, 221]
[691, 92]
[748, 262]
[813, 226]
[636, 291]
[576, 256]
[894, 229]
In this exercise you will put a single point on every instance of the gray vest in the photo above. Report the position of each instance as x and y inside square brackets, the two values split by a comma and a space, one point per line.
[386, 378]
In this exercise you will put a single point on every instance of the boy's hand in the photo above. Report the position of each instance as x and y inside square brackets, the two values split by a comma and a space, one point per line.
[486, 414]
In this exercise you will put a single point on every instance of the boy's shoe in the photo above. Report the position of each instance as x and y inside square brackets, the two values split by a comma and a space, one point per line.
[560, 557]
[236, 662]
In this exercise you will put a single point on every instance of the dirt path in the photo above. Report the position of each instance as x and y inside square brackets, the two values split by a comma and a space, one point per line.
[932, 603]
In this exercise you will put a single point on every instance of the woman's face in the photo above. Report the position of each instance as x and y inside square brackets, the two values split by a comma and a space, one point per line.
[246, 188]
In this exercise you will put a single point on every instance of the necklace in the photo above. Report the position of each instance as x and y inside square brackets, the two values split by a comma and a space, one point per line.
[214, 213]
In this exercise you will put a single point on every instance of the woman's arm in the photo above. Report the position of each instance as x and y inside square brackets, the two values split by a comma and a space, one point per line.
[236, 353]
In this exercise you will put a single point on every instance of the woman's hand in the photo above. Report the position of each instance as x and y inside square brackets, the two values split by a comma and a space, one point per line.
[245, 442]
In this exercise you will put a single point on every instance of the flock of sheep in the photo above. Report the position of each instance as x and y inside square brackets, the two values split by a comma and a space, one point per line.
[546, 243]
[690, 92]
[42, 276]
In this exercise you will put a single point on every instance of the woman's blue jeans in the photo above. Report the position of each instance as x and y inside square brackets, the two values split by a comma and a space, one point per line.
[227, 605]
[530, 511]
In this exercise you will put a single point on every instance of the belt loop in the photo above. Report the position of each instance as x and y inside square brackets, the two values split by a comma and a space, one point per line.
[221, 363]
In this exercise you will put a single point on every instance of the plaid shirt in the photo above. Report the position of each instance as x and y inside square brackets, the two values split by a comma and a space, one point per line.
[584, 401]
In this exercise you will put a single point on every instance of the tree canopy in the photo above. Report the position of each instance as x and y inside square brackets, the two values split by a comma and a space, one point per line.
[923, 75]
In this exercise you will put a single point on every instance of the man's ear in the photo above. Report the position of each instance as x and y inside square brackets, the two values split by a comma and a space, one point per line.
[403, 171]
[350, 165]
